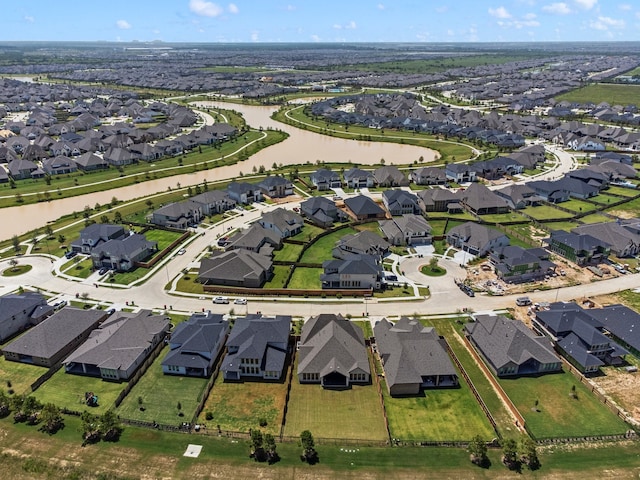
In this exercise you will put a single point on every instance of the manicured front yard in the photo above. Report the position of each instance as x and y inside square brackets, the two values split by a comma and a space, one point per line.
[66, 390]
[240, 406]
[560, 415]
[160, 395]
[353, 413]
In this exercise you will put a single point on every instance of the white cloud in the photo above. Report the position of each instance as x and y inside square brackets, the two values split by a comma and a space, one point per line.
[625, 7]
[205, 9]
[255, 36]
[529, 16]
[123, 25]
[348, 26]
[586, 4]
[380, 6]
[450, 32]
[290, 8]
[315, 38]
[499, 12]
[233, 8]
[29, 18]
[559, 8]
[604, 23]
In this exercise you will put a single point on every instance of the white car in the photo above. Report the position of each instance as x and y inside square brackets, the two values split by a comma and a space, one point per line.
[221, 300]
[182, 251]
[240, 301]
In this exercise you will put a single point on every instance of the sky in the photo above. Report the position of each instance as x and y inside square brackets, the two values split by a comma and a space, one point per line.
[322, 20]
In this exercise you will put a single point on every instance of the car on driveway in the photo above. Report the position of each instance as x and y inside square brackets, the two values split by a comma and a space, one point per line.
[240, 301]
[103, 270]
[221, 300]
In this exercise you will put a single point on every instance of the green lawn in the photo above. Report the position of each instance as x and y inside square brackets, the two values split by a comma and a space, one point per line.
[81, 269]
[280, 273]
[288, 253]
[320, 250]
[67, 390]
[613, 94]
[568, 226]
[546, 212]
[630, 208]
[353, 413]
[16, 271]
[125, 278]
[19, 375]
[160, 396]
[604, 199]
[309, 232]
[595, 218]
[578, 206]
[504, 217]
[436, 415]
[306, 278]
[622, 191]
[163, 237]
[365, 325]
[560, 415]
[433, 272]
[240, 406]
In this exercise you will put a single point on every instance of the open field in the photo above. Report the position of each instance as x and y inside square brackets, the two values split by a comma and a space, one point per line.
[239, 406]
[560, 415]
[613, 94]
[352, 413]
[160, 396]
[67, 390]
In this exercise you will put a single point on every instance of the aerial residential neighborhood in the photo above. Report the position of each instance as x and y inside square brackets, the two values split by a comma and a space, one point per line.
[322, 259]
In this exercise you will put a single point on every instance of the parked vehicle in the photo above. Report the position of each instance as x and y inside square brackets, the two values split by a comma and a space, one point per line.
[240, 301]
[103, 270]
[523, 301]
[71, 254]
[221, 300]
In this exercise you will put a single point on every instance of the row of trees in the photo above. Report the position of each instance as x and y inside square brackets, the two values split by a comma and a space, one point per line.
[514, 454]
[263, 447]
[106, 427]
[29, 409]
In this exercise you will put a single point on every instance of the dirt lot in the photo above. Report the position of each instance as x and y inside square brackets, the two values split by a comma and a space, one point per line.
[622, 387]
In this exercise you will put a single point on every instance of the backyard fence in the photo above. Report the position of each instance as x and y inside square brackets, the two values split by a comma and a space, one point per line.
[138, 375]
[204, 395]
[293, 340]
[373, 368]
[45, 376]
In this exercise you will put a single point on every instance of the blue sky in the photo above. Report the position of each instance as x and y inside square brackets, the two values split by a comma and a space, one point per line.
[322, 20]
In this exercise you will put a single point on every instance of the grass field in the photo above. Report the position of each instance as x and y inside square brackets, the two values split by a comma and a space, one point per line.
[504, 217]
[353, 413]
[604, 199]
[66, 390]
[613, 94]
[578, 205]
[280, 273]
[240, 406]
[288, 253]
[436, 415]
[560, 415]
[306, 278]
[545, 212]
[321, 248]
[308, 232]
[622, 191]
[18, 376]
[595, 218]
[163, 237]
[160, 396]
[561, 225]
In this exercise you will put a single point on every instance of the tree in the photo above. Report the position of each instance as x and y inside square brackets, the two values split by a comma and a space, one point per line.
[528, 453]
[61, 238]
[117, 217]
[510, 454]
[433, 263]
[89, 425]
[257, 452]
[15, 241]
[5, 404]
[52, 420]
[110, 427]
[14, 263]
[309, 453]
[270, 448]
[478, 451]
[104, 219]
[48, 231]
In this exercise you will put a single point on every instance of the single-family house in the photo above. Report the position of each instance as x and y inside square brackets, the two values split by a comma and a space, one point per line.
[428, 176]
[257, 347]
[89, 161]
[518, 196]
[362, 207]
[195, 344]
[285, 223]
[321, 211]
[361, 243]
[54, 338]
[96, 234]
[460, 173]
[244, 193]
[515, 264]
[119, 346]
[332, 353]
[399, 202]
[59, 165]
[410, 229]
[257, 239]
[582, 249]
[21, 310]
[439, 200]
[623, 235]
[276, 186]
[476, 239]
[360, 272]
[236, 268]
[413, 357]
[325, 179]
[214, 201]
[479, 200]
[619, 323]
[510, 348]
[358, 178]
[180, 215]
[122, 254]
[389, 176]
[550, 191]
